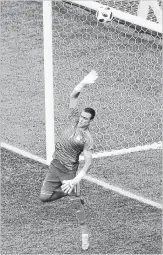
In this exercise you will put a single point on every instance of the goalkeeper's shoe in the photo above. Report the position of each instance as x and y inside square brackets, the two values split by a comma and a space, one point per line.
[85, 241]
[85, 237]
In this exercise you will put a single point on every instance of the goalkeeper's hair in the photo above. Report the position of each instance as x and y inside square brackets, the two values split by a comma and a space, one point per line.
[91, 111]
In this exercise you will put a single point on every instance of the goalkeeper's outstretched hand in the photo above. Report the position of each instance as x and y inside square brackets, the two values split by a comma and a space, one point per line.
[67, 186]
[90, 78]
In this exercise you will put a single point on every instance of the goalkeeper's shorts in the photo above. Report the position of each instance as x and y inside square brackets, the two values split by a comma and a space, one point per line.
[54, 178]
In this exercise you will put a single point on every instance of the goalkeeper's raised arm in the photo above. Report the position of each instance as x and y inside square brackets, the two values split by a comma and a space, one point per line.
[88, 79]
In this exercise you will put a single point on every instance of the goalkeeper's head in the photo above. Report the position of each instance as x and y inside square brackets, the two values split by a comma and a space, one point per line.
[91, 112]
[86, 117]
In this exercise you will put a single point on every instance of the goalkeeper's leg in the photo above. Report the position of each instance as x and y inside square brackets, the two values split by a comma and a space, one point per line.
[78, 205]
[51, 187]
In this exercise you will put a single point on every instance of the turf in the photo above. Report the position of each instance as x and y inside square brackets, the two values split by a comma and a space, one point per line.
[118, 225]
[138, 172]
[126, 97]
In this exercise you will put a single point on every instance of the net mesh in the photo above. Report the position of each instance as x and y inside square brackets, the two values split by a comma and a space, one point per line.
[127, 95]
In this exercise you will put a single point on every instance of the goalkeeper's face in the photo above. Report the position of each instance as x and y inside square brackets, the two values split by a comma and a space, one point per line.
[84, 120]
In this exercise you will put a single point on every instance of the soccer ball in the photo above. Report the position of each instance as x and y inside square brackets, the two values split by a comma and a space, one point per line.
[104, 14]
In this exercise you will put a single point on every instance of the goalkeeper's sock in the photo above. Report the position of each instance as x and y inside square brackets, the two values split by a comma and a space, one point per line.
[84, 229]
[80, 214]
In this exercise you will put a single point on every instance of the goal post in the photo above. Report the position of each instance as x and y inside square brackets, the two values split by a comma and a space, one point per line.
[48, 79]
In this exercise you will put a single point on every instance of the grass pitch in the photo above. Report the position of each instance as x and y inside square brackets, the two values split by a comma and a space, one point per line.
[118, 225]
[127, 98]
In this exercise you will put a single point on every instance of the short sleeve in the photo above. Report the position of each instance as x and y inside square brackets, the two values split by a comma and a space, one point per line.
[89, 144]
[73, 115]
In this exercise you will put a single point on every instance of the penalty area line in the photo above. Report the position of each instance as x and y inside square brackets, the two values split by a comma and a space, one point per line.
[94, 180]
[122, 191]
[153, 146]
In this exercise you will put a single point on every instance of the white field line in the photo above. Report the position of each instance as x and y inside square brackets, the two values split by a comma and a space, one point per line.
[23, 153]
[123, 192]
[98, 181]
[153, 146]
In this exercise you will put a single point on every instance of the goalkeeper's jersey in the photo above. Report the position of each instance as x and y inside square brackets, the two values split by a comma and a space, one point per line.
[72, 142]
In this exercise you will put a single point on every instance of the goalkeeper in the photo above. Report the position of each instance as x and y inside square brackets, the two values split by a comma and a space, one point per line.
[62, 178]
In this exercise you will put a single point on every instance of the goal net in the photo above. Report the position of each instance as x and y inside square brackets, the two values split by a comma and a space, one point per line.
[126, 97]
